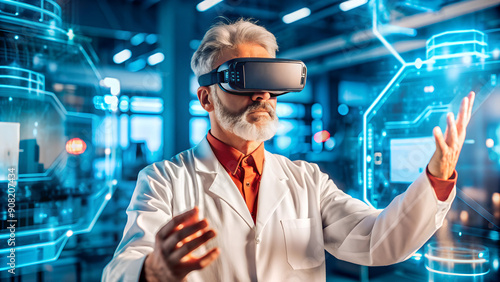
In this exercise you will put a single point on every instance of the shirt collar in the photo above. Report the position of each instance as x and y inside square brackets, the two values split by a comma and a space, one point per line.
[231, 158]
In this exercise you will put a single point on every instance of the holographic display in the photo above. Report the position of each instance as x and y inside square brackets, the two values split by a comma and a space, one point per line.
[49, 136]
[397, 141]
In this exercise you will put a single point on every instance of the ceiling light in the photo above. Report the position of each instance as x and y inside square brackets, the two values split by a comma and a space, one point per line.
[297, 15]
[351, 4]
[122, 56]
[156, 58]
[207, 4]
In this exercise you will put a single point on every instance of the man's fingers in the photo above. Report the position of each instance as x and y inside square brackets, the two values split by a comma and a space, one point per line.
[172, 225]
[463, 115]
[441, 145]
[471, 96]
[171, 242]
[205, 260]
[192, 245]
[452, 136]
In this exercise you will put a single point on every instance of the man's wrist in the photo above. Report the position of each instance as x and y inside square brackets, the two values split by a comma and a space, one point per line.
[142, 277]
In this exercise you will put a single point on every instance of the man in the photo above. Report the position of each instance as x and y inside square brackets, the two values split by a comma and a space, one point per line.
[264, 217]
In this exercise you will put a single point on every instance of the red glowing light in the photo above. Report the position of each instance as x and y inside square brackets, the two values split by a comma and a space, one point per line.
[321, 136]
[75, 146]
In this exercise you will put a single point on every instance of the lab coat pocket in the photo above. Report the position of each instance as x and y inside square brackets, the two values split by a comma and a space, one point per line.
[304, 243]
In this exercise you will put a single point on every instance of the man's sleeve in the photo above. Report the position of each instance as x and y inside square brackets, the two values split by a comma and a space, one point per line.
[358, 233]
[442, 187]
[147, 213]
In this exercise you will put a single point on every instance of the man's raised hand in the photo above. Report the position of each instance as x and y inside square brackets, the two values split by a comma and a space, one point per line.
[445, 158]
[171, 259]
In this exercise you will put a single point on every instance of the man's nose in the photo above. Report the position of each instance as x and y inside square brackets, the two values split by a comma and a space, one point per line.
[261, 96]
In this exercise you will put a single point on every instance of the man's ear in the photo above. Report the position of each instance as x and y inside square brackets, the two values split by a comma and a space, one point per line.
[206, 100]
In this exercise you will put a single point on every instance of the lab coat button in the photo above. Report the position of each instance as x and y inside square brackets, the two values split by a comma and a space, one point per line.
[257, 240]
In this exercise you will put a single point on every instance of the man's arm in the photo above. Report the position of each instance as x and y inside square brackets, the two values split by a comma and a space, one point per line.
[357, 233]
[149, 209]
[150, 252]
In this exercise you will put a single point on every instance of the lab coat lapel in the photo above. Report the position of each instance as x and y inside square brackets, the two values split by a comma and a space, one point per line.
[217, 181]
[272, 190]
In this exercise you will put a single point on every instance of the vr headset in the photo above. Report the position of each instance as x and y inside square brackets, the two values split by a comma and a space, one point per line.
[244, 76]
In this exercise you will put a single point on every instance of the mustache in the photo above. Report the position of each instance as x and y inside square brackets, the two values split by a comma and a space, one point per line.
[257, 105]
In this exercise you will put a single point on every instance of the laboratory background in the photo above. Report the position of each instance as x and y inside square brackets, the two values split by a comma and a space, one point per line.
[92, 91]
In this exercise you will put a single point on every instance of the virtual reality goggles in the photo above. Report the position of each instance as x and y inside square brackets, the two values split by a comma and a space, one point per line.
[245, 76]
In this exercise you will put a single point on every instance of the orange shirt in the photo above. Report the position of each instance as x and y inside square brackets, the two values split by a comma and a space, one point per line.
[246, 172]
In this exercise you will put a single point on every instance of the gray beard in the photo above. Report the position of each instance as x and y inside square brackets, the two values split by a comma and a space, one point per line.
[238, 124]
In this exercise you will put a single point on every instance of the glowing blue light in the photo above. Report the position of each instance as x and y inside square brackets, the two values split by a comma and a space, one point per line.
[10, 99]
[297, 15]
[456, 274]
[434, 258]
[122, 56]
[343, 109]
[156, 58]
[430, 65]
[124, 125]
[458, 43]
[148, 129]
[108, 196]
[16, 37]
[330, 143]
[110, 99]
[152, 105]
[384, 133]
[286, 126]
[69, 233]
[283, 142]
[316, 126]
[417, 256]
[459, 233]
[467, 60]
[285, 110]
[494, 235]
[70, 34]
[137, 65]
[351, 4]
[368, 159]
[151, 39]
[113, 84]
[198, 128]
[137, 39]
[418, 63]
[495, 264]
[317, 111]
[195, 108]
[495, 53]
[207, 4]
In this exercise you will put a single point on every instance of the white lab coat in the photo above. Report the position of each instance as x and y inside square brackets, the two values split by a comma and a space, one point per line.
[300, 214]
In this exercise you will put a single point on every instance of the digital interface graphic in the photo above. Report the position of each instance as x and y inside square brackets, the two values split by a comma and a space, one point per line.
[53, 142]
[398, 143]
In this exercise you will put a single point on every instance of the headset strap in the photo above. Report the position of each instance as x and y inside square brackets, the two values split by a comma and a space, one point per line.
[211, 78]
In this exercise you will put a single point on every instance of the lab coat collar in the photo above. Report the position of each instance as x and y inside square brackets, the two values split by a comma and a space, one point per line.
[218, 181]
[272, 188]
